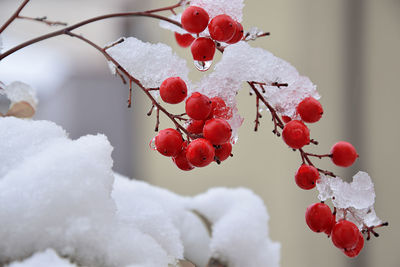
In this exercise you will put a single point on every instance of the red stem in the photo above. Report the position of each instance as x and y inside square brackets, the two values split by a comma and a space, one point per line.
[14, 16]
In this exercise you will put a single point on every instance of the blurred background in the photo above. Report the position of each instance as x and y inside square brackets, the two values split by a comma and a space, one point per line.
[350, 49]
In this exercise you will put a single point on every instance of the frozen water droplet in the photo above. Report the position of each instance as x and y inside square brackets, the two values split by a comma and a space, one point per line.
[202, 65]
[152, 144]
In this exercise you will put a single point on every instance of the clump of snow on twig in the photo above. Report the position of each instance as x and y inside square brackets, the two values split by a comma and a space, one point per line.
[47, 258]
[233, 8]
[172, 27]
[354, 200]
[20, 92]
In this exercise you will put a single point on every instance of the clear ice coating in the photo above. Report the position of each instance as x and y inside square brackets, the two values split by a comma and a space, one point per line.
[202, 65]
[152, 144]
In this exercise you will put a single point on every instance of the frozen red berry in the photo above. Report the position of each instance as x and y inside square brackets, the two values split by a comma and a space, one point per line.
[169, 142]
[343, 154]
[352, 253]
[286, 119]
[222, 152]
[173, 90]
[238, 34]
[198, 106]
[222, 28]
[296, 134]
[217, 131]
[310, 110]
[203, 49]
[200, 152]
[195, 126]
[184, 40]
[194, 19]
[319, 217]
[219, 109]
[181, 161]
[306, 176]
[345, 235]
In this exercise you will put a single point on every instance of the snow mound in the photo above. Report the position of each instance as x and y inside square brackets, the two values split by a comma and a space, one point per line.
[43, 259]
[20, 92]
[233, 8]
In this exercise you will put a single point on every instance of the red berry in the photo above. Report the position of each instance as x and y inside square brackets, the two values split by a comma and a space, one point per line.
[286, 119]
[217, 131]
[173, 90]
[222, 152]
[181, 161]
[184, 40]
[169, 142]
[310, 110]
[296, 134]
[219, 109]
[306, 177]
[222, 28]
[345, 235]
[238, 34]
[198, 106]
[343, 154]
[194, 19]
[319, 217]
[352, 253]
[200, 152]
[195, 126]
[203, 49]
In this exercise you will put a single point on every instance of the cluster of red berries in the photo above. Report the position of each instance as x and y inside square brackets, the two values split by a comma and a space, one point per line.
[208, 130]
[222, 28]
[345, 235]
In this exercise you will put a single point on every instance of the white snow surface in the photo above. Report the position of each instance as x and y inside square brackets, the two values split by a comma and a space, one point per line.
[19, 91]
[172, 27]
[233, 8]
[61, 194]
[41, 259]
[357, 197]
[150, 63]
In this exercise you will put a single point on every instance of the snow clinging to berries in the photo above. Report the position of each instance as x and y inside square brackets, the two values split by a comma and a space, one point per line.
[233, 8]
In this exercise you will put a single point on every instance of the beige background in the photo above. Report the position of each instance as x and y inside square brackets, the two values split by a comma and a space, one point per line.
[349, 48]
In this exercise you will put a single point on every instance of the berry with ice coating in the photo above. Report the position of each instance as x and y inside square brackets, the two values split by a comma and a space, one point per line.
[306, 176]
[173, 90]
[345, 235]
[222, 28]
[194, 19]
[217, 131]
[343, 154]
[184, 40]
[238, 34]
[198, 106]
[200, 152]
[203, 49]
[352, 253]
[195, 126]
[169, 142]
[222, 152]
[310, 110]
[319, 217]
[181, 161]
[219, 109]
[296, 134]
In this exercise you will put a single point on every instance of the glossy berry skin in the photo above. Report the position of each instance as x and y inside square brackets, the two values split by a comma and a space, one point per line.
[200, 152]
[184, 40]
[238, 34]
[343, 154]
[222, 152]
[169, 142]
[345, 235]
[181, 161]
[222, 28]
[173, 90]
[286, 119]
[217, 131]
[310, 110]
[195, 126]
[194, 19]
[319, 217]
[219, 109]
[352, 253]
[296, 134]
[203, 49]
[198, 106]
[306, 177]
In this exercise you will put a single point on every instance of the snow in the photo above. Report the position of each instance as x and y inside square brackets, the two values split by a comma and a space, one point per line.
[62, 194]
[19, 91]
[150, 63]
[172, 27]
[233, 8]
[354, 200]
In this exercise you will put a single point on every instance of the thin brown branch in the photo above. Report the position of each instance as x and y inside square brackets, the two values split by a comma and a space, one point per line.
[14, 15]
[258, 115]
[44, 20]
[130, 94]
[157, 120]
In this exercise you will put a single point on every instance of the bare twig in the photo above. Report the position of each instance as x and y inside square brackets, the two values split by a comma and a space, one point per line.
[14, 16]
[44, 20]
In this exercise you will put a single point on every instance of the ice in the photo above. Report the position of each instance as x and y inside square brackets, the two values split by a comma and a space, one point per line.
[47, 258]
[150, 63]
[233, 8]
[19, 91]
[354, 200]
[172, 27]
